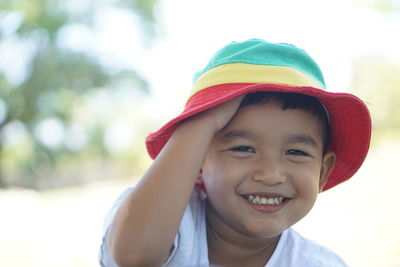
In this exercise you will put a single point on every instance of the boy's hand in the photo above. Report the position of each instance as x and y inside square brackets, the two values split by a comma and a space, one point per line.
[219, 116]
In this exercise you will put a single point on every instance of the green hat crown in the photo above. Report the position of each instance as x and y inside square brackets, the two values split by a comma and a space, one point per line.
[260, 52]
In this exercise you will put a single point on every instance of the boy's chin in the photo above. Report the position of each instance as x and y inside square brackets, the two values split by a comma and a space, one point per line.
[264, 231]
[270, 235]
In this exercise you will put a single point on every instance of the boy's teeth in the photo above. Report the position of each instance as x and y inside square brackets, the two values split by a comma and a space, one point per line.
[264, 200]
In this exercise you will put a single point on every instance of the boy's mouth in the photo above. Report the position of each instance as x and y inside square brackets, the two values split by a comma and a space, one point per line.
[261, 200]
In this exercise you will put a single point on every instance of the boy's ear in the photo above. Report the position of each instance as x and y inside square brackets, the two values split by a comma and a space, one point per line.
[328, 162]
[199, 179]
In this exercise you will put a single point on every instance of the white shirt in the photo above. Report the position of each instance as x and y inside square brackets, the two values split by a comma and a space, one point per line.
[190, 245]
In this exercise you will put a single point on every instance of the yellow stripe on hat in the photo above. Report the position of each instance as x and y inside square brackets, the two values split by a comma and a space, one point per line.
[251, 73]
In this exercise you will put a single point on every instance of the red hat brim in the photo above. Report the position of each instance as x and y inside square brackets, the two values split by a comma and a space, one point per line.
[349, 117]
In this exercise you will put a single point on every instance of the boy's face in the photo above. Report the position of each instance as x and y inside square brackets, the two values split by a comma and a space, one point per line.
[264, 170]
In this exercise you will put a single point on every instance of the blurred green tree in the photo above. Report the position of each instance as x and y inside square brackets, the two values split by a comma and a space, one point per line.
[53, 77]
[376, 78]
[386, 7]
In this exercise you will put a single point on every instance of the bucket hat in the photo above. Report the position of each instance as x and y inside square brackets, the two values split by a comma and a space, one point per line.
[256, 65]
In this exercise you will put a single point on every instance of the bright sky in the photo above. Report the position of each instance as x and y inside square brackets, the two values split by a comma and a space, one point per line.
[333, 32]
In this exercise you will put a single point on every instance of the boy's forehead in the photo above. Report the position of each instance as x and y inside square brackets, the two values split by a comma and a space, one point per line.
[267, 111]
[270, 117]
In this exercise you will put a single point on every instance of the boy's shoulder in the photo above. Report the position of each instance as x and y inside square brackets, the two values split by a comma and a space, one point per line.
[295, 250]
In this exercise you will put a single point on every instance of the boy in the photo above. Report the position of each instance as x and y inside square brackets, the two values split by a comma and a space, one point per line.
[256, 143]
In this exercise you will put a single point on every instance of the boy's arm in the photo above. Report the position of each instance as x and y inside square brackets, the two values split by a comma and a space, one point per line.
[145, 226]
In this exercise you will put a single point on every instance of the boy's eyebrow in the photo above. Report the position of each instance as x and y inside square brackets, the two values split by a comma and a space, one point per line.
[302, 138]
[235, 134]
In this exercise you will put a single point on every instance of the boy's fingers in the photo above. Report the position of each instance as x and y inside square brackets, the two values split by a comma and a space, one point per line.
[226, 111]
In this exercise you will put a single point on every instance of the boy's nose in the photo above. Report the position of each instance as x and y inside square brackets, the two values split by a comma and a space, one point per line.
[269, 171]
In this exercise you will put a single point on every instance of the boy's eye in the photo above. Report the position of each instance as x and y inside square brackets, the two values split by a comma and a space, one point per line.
[296, 152]
[247, 149]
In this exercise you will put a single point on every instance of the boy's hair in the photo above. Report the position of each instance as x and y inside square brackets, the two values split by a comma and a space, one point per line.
[307, 103]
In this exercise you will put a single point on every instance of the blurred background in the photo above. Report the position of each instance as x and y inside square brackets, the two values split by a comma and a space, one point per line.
[82, 82]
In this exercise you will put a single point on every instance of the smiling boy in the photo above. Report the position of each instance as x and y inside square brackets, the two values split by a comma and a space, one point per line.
[256, 143]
